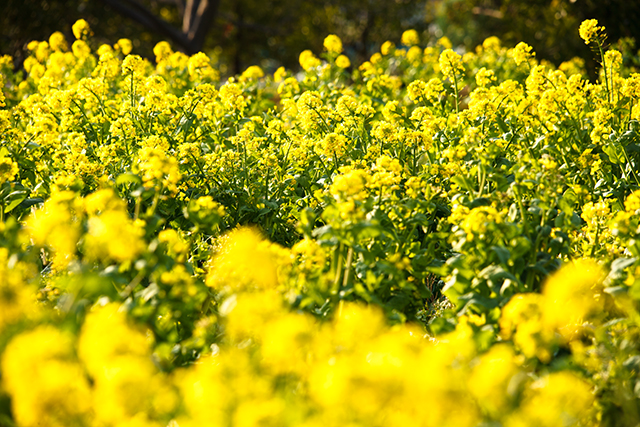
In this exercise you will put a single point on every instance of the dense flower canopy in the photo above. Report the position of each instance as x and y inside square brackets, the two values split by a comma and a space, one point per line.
[431, 238]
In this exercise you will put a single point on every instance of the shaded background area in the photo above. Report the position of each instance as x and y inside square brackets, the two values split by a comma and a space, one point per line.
[271, 33]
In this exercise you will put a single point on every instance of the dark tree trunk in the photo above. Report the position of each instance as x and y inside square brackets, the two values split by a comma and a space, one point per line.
[197, 20]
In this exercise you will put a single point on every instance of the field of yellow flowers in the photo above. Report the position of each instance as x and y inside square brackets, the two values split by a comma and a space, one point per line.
[426, 239]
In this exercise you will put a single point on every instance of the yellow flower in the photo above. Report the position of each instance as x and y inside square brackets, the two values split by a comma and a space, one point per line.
[491, 43]
[105, 336]
[632, 203]
[386, 48]
[351, 184]
[485, 77]
[480, 221]
[279, 75]
[590, 31]
[57, 42]
[252, 73]
[334, 145]
[81, 29]
[111, 234]
[289, 87]
[613, 59]
[8, 169]
[522, 52]
[125, 46]
[232, 97]
[127, 385]
[558, 399]
[410, 38]
[162, 51]
[80, 49]
[342, 61]
[631, 86]
[46, 384]
[491, 376]
[159, 170]
[56, 225]
[592, 212]
[308, 60]
[17, 300]
[450, 63]
[414, 54]
[199, 67]
[333, 44]
[132, 64]
[245, 261]
[571, 295]
[175, 244]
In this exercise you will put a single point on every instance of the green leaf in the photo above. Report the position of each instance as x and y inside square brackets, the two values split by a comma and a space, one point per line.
[616, 291]
[632, 363]
[12, 205]
[615, 152]
[503, 254]
[463, 182]
[14, 199]
[127, 178]
[398, 302]
[618, 265]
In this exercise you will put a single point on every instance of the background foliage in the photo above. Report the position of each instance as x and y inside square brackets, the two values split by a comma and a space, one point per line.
[270, 33]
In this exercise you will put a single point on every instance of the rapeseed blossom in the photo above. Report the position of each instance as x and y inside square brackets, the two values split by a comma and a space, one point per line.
[450, 63]
[343, 61]
[308, 60]
[410, 38]
[8, 169]
[132, 65]
[590, 31]
[244, 261]
[45, 380]
[81, 29]
[522, 52]
[333, 44]
[111, 235]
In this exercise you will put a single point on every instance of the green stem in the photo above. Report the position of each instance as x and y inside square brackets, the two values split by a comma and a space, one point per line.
[604, 67]
[336, 280]
[455, 89]
[525, 223]
[347, 272]
[595, 243]
[154, 204]
[136, 212]
[481, 179]
[133, 105]
[633, 172]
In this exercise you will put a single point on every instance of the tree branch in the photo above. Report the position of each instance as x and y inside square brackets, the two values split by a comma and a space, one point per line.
[197, 18]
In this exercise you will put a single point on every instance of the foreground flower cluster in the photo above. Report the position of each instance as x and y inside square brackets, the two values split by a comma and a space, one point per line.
[430, 239]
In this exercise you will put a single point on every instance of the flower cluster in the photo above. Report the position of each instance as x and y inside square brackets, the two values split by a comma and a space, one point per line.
[431, 237]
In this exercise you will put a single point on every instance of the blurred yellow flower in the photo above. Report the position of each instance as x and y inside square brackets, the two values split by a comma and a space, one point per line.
[81, 29]
[342, 61]
[333, 44]
[245, 261]
[410, 38]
